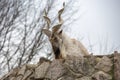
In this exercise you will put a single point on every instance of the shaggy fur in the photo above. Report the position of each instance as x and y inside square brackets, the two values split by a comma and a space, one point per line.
[72, 47]
[63, 45]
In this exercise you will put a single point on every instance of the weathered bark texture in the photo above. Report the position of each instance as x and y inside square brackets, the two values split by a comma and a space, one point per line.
[91, 67]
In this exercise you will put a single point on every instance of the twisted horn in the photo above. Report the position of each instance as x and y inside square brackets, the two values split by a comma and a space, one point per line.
[47, 19]
[60, 13]
[57, 27]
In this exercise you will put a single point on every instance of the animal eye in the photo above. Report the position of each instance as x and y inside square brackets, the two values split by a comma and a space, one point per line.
[55, 39]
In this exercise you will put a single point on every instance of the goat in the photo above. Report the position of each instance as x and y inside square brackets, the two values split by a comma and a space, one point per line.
[62, 44]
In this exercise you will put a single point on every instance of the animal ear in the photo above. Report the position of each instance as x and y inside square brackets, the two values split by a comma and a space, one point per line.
[56, 27]
[60, 34]
[47, 32]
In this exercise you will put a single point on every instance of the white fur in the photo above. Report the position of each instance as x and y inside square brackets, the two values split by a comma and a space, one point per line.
[71, 47]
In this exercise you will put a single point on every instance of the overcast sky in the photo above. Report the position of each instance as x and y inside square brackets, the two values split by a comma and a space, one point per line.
[98, 25]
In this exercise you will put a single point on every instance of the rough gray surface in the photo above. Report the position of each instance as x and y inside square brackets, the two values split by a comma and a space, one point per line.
[72, 68]
[116, 66]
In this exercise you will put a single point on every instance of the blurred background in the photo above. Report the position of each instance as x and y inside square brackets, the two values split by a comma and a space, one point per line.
[95, 23]
[98, 25]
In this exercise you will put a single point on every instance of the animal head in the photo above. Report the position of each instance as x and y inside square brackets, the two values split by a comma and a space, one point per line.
[55, 36]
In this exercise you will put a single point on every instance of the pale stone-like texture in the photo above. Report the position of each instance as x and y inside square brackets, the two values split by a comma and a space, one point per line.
[22, 70]
[72, 68]
[104, 64]
[27, 74]
[100, 75]
[116, 66]
[20, 77]
[79, 66]
[84, 78]
[41, 70]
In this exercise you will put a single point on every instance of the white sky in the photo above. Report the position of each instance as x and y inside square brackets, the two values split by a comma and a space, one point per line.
[99, 24]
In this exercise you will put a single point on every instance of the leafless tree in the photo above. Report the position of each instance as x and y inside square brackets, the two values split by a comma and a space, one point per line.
[21, 24]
